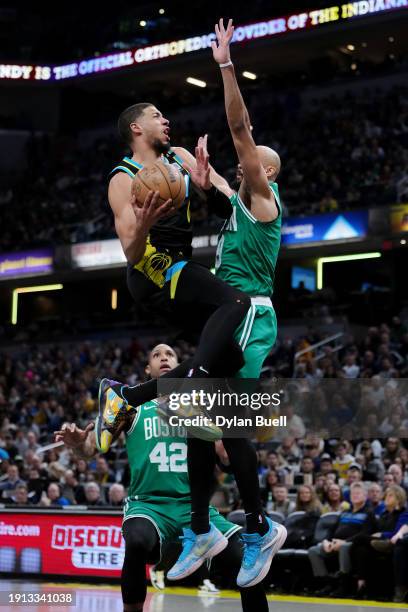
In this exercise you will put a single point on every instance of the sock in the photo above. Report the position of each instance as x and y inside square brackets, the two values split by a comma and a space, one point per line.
[244, 461]
[198, 372]
[200, 522]
[201, 465]
[254, 598]
[145, 392]
[256, 523]
[135, 396]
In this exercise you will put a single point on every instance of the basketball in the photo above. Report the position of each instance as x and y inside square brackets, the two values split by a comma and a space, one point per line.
[161, 177]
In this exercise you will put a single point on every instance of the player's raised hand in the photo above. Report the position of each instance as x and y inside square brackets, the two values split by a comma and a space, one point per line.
[220, 49]
[151, 210]
[72, 435]
[200, 175]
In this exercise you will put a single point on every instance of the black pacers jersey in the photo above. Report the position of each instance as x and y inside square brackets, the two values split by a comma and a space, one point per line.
[174, 233]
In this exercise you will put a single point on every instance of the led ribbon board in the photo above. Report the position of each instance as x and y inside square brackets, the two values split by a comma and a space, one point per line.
[243, 33]
[27, 263]
[347, 225]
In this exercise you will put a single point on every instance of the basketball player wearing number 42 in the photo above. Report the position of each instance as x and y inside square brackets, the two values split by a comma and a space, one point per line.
[157, 509]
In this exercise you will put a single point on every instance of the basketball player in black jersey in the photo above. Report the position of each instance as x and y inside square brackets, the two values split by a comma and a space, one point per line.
[157, 239]
[157, 243]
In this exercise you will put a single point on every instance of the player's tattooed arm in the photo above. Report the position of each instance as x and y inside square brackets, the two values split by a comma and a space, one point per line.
[257, 194]
[81, 441]
[133, 222]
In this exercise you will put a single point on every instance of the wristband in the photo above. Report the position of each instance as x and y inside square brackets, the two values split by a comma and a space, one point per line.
[226, 64]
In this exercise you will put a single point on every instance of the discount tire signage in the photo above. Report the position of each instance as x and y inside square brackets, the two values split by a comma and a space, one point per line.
[65, 544]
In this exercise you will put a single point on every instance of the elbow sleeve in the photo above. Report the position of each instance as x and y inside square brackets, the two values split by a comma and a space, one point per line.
[218, 203]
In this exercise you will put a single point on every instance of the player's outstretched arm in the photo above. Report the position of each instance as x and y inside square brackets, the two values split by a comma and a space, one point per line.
[192, 164]
[240, 126]
[132, 222]
[214, 186]
[82, 441]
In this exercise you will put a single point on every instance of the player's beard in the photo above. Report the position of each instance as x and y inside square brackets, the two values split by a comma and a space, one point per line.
[160, 147]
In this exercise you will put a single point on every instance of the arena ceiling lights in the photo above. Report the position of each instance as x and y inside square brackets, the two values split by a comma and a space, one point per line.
[249, 75]
[196, 82]
[243, 33]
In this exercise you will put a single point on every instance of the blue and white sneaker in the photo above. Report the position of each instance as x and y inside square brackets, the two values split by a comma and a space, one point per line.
[196, 549]
[259, 552]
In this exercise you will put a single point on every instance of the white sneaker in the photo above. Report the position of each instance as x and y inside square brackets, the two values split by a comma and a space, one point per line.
[208, 587]
[157, 579]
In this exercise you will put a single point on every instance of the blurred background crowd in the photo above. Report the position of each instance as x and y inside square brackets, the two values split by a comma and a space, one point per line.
[358, 159]
[338, 439]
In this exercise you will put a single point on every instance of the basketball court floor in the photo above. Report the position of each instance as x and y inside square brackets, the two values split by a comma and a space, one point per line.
[104, 598]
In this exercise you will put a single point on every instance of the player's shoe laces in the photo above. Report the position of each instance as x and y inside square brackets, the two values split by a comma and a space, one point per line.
[196, 549]
[113, 410]
[259, 552]
[202, 427]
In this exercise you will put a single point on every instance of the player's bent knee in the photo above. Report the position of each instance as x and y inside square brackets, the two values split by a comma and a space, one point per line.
[137, 543]
[140, 536]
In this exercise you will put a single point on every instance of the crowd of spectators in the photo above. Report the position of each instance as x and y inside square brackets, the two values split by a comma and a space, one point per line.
[63, 196]
[357, 467]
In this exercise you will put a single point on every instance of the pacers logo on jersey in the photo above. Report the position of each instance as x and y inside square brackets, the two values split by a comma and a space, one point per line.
[154, 264]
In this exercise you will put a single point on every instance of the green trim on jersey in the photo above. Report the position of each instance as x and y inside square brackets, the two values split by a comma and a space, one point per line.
[248, 249]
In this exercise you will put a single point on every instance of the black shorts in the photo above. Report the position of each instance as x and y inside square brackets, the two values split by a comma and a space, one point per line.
[197, 295]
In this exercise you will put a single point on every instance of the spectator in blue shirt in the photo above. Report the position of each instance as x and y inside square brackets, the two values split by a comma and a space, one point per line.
[352, 523]
[367, 548]
[376, 498]
[8, 486]
[4, 454]
[53, 496]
